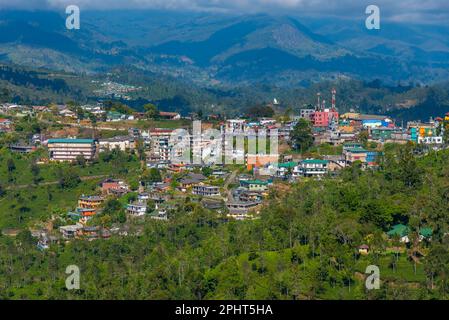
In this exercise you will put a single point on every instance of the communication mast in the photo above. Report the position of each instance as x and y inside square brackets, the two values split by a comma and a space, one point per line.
[318, 106]
[334, 92]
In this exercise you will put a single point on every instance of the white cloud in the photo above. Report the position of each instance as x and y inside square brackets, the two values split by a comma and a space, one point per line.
[419, 10]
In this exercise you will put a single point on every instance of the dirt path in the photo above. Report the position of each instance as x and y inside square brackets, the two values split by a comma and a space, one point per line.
[24, 186]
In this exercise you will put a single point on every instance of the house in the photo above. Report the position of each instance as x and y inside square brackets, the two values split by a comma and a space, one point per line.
[40, 108]
[114, 186]
[105, 233]
[311, 168]
[123, 143]
[22, 148]
[113, 116]
[286, 168]
[160, 215]
[336, 162]
[355, 154]
[188, 183]
[71, 231]
[70, 149]
[191, 180]
[255, 185]
[402, 231]
[143, 197]
[205, 190]
[5, 125]
[90, 202]
[239, 210]
[169, 115]
[137, 209]
[363, 249]
[248, 196]
[91, 232]
[161, 186]
[212, 203]
[67, 113]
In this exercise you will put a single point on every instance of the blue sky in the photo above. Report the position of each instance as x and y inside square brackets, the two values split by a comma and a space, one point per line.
[421, 11]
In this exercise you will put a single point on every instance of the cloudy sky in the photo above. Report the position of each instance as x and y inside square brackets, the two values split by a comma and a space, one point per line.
[427, 11]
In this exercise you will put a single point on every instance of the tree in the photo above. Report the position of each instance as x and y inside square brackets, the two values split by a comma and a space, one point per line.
[151, 111]
[206, 171]
[301, 136]
[80, 160]
[259, 111]
[363, 137]
[11, 165]
[68, 178]
[35, 171]
[409, 171]
[151, 206]
[151, 176]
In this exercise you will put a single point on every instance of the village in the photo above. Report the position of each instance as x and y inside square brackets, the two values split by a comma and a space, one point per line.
[212, 167]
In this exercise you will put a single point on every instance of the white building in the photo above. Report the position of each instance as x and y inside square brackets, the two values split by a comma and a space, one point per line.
[137, 209]
[121, 143]
[70, 149]
[311, 168]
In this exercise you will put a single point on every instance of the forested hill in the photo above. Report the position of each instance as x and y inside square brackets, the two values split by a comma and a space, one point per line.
[404, 101]
[303, 246]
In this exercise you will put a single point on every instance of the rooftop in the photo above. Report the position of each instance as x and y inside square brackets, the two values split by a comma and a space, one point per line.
[71, 141]
[315, 161]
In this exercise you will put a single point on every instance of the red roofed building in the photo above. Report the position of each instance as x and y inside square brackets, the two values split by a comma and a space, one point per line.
[169, 115]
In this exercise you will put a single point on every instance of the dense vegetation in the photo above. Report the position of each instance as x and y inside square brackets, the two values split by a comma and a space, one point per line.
[406, 102]
[302, 247]
[32, 192]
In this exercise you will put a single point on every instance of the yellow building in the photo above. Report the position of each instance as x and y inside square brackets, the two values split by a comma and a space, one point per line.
[90, 202]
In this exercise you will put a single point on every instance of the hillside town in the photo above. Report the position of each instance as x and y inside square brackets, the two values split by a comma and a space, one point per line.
[220, 171]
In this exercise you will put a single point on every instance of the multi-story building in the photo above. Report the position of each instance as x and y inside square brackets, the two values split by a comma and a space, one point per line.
[90, 202]
[324, 118]
[205, 190]
[355, 154]
[5, 125]
[425, 133]
[137, 209]
[311, 168]
[121, 143]
[254, 185]
[306, 114]
[160, 144]
[70, 149]
[240, 210]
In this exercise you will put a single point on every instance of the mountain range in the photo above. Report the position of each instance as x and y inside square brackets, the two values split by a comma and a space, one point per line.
[212, 49]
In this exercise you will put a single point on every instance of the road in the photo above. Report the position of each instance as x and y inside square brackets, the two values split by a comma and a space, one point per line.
[49, 183]
[230, 179]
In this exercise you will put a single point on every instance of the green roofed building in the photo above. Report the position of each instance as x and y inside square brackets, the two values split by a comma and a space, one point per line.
[70, 149]
[254, 185]
[311, 168]
[288, 165]
[398, 230]
[402, 232]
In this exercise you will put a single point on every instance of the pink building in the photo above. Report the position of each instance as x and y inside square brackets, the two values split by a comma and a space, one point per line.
[323, 118]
